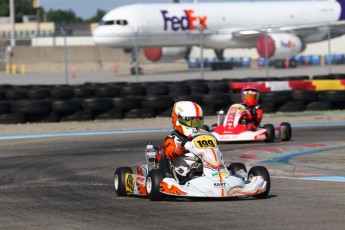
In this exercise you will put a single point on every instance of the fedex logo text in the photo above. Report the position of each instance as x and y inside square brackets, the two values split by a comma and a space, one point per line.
[187, 22]
[288, 44]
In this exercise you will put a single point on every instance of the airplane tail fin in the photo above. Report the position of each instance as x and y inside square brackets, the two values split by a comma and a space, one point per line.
[342, 11]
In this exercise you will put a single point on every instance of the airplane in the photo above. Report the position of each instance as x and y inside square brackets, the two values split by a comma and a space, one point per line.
[167, 31]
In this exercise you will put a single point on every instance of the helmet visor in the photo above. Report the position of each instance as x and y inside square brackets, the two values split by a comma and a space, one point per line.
[250, 95]
[195, 122]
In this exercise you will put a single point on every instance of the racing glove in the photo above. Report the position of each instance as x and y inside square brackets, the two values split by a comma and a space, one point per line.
[179, 150]
[247, 115]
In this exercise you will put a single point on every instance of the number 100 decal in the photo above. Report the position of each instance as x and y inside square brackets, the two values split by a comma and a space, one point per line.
[205, 142]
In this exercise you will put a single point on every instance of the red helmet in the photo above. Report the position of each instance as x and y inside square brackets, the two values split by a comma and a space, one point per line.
[250, 95]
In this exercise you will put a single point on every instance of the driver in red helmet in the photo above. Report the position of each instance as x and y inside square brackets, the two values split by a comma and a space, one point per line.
[250, 97]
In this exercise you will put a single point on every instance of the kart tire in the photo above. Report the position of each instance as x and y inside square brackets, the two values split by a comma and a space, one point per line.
[157, 102]
[134, 90]
[107, 91]
[195, 98]
[237, 168]
[270, 135]
[82, 92]
[15, 94]
[153, 181]
[38, 93]
[260, 171]
[156, 90]
[176, 89]
[30, 106]
[120, 180]
[61, 93]
[288, 131]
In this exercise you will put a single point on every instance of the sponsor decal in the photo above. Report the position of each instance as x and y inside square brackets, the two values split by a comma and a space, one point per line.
[223, 174]
[189, 21]
[288, 44]
[219, 185]
[205, 142]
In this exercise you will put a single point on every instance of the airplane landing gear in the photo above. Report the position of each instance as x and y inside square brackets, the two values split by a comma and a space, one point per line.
[134, 71]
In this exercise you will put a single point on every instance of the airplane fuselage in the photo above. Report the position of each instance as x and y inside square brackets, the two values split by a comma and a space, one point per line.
[186, 24]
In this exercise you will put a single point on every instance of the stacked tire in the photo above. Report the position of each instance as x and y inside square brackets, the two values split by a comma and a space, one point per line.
[54, 103]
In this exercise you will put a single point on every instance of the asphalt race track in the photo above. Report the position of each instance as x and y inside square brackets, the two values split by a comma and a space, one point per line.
[66, 183]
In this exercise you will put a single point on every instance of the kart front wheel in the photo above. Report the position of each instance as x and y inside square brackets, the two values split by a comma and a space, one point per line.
[286, 131]
[238, 169]
[120, 180]
[153, 181]
[270, 133]
[261, 171]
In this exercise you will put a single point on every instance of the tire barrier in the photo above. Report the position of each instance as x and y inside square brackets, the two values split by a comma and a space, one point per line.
[90, 101]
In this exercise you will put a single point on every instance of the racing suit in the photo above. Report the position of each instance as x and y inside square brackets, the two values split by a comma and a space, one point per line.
[253, 117]
[182, 161]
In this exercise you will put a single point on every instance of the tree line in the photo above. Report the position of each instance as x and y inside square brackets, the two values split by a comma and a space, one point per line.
[24, 7]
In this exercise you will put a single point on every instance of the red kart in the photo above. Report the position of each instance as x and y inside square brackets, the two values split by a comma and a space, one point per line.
[234, 128]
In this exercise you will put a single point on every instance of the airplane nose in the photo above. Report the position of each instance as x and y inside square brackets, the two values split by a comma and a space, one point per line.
[101, 36]
[112, 36]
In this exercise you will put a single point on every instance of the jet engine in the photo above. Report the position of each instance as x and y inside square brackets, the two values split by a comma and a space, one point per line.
[279, 46]
[166, 54]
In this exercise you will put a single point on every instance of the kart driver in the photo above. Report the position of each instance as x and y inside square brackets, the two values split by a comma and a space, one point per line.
[250, 97]
[187, 118]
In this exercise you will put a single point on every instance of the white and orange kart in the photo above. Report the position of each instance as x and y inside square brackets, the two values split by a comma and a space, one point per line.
[208, 177]
[233, 128]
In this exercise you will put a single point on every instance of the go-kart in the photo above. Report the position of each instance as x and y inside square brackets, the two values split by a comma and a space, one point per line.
[234, 128]
[208, 176]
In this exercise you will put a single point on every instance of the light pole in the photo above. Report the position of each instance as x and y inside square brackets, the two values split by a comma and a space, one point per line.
[329, 51]
[63, 31]
[12, 17]
[36, 5]
[202, 53]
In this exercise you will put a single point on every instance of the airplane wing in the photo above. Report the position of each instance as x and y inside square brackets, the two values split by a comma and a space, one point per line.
[336, 29]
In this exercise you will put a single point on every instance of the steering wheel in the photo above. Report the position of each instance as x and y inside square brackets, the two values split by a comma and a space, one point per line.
[189, 138]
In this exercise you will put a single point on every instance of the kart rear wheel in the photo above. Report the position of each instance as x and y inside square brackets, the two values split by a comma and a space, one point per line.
[238, 169]
[286, 127]
[120, 180]
[153, 181]
[260, 171]
[270, 134]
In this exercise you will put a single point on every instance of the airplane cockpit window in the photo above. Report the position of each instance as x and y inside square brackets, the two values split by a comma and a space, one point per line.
[114, 22]
[103, 23]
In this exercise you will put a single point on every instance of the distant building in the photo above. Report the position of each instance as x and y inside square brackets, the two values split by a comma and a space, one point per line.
[27, 30]
[5, 20]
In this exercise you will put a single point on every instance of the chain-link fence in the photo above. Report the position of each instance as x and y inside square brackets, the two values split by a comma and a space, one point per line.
[74, 56]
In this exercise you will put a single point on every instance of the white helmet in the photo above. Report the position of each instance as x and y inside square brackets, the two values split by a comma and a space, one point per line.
[187, 117]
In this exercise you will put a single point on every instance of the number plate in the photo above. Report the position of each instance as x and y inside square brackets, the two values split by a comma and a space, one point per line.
[205, 142]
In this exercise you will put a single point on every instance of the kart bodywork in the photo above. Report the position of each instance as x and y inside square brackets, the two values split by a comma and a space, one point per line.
[233, 128]
[208, 176]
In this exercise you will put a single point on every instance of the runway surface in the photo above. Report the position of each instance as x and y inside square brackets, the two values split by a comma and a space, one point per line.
[66, 182]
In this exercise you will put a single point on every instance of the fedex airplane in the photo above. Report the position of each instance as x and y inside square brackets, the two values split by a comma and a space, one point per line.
[277, 29]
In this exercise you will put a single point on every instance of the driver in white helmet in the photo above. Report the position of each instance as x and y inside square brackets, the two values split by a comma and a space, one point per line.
[187, 119]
